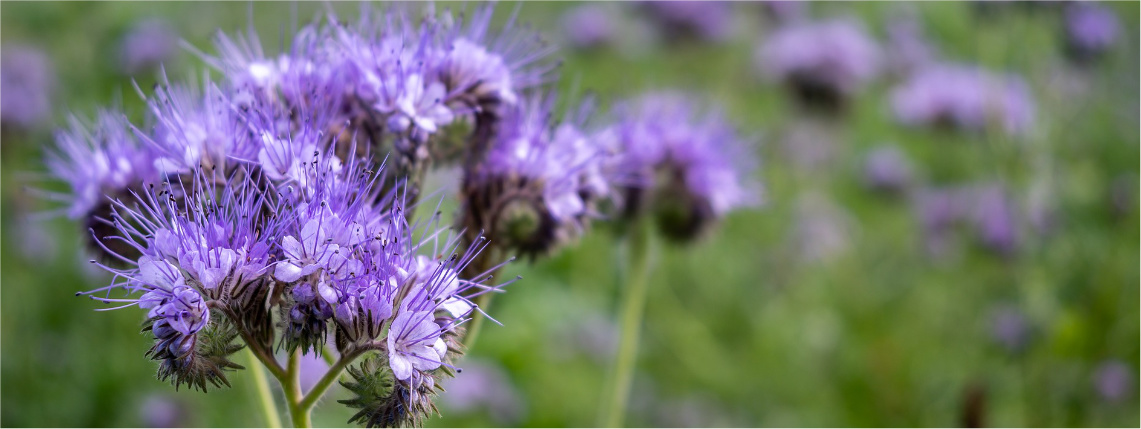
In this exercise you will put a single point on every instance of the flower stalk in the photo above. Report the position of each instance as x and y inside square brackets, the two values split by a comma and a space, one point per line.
[639, 264]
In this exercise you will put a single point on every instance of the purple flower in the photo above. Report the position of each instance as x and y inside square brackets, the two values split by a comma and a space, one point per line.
[995, 219]
[484, 386]
[98, 160]
[414, 343]
[1114, 381]
[147, 45]
[1091, 29]
[27, 78]
[703, 20]
[588, 26]
[478, 64]
[159, 411]
[825, 62]
[910, 49]
[1010, 329]
[542, 178]
[886, 168]
[705, 163]
[966, 98]
[783, 12]
[939, 210]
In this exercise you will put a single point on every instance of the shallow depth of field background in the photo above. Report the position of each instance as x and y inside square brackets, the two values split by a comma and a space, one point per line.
[742, 329]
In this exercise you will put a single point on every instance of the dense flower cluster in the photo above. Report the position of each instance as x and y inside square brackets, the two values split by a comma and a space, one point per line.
[687, 166]
[277, 204]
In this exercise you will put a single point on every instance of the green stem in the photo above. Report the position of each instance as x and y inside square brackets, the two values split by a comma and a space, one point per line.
[265, 397]
[639, 264]
[326, 381]
[292, 387]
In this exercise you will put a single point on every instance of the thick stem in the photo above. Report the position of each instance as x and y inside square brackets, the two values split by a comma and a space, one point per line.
[265, 396]
[639, 264]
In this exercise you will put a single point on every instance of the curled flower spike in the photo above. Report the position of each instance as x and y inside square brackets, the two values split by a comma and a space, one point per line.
[538, 185]
[1091, 30]
[687, 168]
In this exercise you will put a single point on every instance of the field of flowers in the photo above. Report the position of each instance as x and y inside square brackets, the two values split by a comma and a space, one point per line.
[905, 214]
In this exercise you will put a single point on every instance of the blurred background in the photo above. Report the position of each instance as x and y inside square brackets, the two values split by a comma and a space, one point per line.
[950, 234]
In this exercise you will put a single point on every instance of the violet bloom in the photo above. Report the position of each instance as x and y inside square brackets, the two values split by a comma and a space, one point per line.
[27, 79]
[887, 169]
[160, 411]
[995, 219]
[909, 48]
[939, 210]
[966, 98]
[1010, 329]
[1091, 30]
[484, 386]
[783, 12]
[701, 20]
[824, 62]
[589, 26]
[147, 45]
[703, 165]
[1114, 381]
[540, 178]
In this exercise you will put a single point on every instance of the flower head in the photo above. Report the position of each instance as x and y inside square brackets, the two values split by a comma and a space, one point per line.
[27, 77]
[1091, 30]
[147, 45]
[539, 181]
[690, 165]
[824, 62]
[966, 98]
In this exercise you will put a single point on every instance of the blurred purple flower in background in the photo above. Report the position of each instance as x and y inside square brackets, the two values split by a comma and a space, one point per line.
[824, 62]
[995, 219]
[1091, 30]
[909, 47]
[313, 367]
[27, 79]
[823, 229]
[686, 163]
[148, 44]
[484, 386]
[1010, 328]
[589, 26]
[964, 97]
[1114, 381]
[887, 169]
[783, 12]
[162, 411]
[938, 210]
[700, 20]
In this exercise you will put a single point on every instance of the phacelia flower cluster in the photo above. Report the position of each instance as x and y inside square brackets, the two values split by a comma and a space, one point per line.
[1091, 30]
[275, 207]
[966, 98]
[824, 63]
[684, 164]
